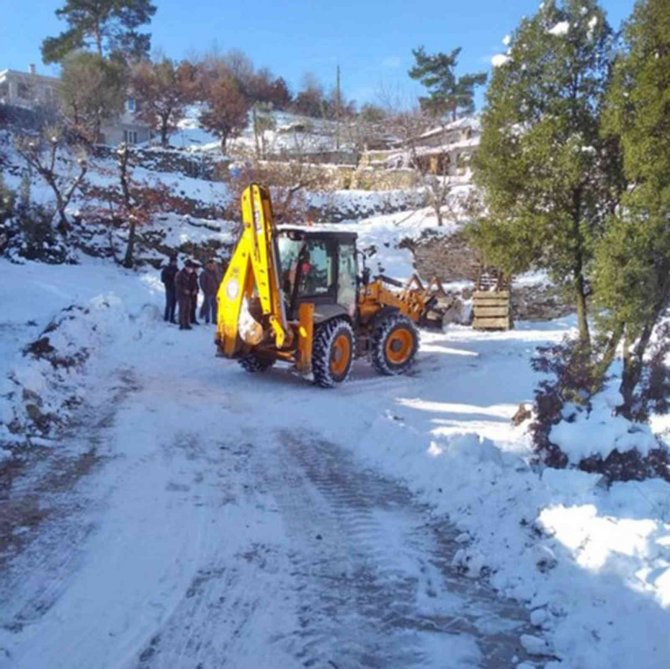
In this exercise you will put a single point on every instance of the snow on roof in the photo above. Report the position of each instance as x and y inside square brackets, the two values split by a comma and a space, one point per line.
[464, 122]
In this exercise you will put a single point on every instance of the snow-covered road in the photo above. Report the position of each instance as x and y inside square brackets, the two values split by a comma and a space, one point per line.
[197, 516]
[227, 522]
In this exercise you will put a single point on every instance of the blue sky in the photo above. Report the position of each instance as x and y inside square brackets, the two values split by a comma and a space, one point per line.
[371, 40]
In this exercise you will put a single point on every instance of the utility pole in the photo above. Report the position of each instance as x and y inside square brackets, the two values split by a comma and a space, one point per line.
[338, 107]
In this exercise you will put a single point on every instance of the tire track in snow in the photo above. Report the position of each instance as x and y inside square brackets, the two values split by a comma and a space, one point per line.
[55, 478]
[376, 585]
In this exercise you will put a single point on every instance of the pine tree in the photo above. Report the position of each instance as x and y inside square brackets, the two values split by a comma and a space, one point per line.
[632, 278]
[108, 26]
[447, 93]
[92, 90]
[548, 178]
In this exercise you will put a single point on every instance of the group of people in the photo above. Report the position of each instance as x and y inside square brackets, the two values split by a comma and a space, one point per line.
[181, 292]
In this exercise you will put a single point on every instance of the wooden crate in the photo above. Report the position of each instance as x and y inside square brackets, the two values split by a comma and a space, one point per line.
[492, 310]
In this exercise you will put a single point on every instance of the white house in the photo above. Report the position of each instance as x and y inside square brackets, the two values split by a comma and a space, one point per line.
[29, 90]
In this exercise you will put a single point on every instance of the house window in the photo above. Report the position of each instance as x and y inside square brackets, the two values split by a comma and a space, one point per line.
[23, 91]
[130, 104]
[130, 136]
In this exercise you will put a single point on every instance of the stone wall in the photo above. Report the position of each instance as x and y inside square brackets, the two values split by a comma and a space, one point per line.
[451, 259]
[366, 178]
[196, 165]
[447, 257]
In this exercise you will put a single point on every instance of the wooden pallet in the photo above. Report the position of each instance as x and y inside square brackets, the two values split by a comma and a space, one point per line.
[492, 310]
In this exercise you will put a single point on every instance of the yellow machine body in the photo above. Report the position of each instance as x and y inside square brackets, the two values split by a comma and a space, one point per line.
[261, 320]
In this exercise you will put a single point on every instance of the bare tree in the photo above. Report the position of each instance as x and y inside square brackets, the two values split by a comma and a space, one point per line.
[62, 171]
[227, 107]
[262, 122]
[290, 180]
[163, 89]
[138, 202]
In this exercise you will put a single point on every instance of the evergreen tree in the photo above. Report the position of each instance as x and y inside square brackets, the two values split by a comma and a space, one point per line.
[447, 93]
[92, 90]
[548, 179]
[109, 26]
[632, 278]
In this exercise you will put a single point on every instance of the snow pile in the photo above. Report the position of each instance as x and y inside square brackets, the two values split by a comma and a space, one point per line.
[43, 389]
[596, 430]
[57, 322]
[592, 562]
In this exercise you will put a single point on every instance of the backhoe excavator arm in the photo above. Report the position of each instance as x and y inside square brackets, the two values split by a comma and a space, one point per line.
[253, 272]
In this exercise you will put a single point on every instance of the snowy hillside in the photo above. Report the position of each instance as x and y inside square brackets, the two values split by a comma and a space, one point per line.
[287, 133]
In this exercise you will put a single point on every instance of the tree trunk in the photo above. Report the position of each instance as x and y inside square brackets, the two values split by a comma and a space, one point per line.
[632, 371]
[582, 311]
[254, 121]
[438, 214]
[130, 247]
[164, 134]
[224, 139]
[580, 287]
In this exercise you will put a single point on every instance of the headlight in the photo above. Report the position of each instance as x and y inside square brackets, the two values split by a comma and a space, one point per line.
[232, 289]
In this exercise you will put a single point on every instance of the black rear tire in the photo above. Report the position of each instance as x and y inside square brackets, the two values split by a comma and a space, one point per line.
[332, 353]
[253, 364]
[395, 342]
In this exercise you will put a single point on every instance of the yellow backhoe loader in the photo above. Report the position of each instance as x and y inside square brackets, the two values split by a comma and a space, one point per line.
[295, 294]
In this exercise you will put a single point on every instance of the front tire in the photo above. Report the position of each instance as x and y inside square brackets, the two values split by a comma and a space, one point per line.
[395, 342]
[332, 353]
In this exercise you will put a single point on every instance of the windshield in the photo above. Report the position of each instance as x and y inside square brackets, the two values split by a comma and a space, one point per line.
[311, 262]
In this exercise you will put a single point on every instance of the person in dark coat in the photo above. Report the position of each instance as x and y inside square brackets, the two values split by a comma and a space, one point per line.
[184, 289]
[195, 289]
[209, 282]
[167, 277]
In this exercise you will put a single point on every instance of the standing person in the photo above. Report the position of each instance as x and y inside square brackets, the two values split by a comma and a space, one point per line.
[195, 289]
[184, 290]
[209, 282]
[168, 278]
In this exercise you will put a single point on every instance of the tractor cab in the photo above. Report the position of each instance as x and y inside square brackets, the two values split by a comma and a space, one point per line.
[319, 267]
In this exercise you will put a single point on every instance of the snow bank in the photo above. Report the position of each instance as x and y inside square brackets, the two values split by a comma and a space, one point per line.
[50, 361]
[597, 430]
[593, 564]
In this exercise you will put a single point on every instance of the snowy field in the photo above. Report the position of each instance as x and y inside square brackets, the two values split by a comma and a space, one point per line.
[192, 515]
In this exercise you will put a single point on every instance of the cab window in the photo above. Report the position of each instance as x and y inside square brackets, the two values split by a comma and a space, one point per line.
[317, 268]
[346, 290]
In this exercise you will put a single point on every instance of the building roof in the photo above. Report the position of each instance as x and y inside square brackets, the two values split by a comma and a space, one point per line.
[464, 122]
[21, 75]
